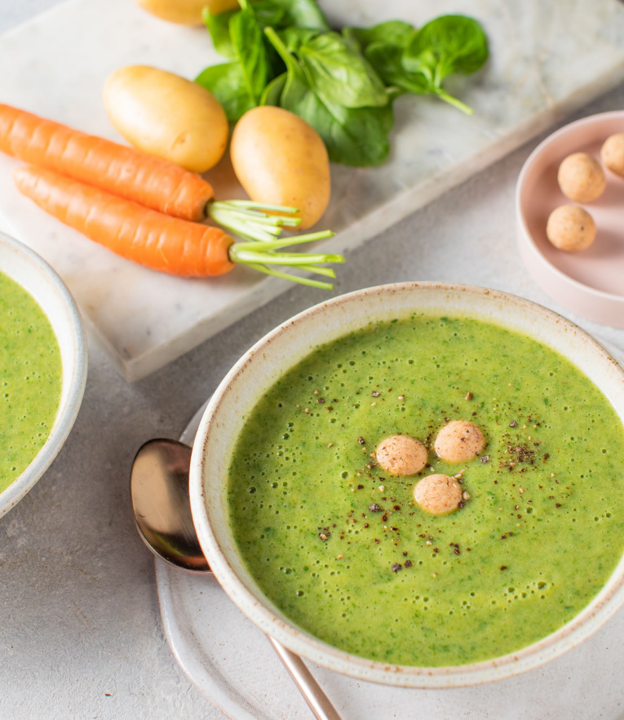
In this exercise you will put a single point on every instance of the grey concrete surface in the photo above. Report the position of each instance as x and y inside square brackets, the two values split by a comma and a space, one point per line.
[80, 630]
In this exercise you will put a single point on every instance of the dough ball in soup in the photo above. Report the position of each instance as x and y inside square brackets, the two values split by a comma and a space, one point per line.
[571, 228]
[581, 178]
[401, 455]
[612, 154]
[438, 494]
[459, 441]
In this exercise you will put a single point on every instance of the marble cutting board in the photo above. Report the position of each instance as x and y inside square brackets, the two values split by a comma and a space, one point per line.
[547, 59]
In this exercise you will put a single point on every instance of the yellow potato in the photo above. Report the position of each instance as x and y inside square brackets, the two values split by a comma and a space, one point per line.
[186, 12]
[280, 159]
[166, 115]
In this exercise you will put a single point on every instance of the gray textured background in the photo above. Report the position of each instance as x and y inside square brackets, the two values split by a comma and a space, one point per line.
[80, 631]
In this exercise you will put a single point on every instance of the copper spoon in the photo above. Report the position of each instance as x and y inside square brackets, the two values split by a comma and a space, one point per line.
[162, 510]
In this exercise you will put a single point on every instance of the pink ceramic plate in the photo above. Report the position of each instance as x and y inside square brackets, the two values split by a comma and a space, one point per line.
[589, 283]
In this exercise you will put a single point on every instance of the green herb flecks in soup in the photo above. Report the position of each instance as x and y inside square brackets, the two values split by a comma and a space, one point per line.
[342, 548]
[30, 380]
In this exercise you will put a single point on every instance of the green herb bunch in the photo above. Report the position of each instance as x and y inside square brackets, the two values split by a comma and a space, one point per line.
[284, 53]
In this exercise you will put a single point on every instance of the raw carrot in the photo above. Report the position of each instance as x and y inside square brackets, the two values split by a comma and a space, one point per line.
[149, 182]
[118, 169]
[169, 244]
[150, 238]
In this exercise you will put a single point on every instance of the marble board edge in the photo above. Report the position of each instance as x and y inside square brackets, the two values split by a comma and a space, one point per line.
[367, 227]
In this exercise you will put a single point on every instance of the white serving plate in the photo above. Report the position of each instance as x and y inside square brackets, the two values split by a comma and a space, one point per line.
[56, 65]
[231, 662]
[36, 277]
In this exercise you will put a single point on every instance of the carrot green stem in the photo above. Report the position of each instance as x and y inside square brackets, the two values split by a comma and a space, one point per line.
[271, 229]
[262, 220]
[294, 278]
[249, 204]
[254, 215]
[240, 255]
[328, 272]
[238, 226]
[250, 220]
[286, 242]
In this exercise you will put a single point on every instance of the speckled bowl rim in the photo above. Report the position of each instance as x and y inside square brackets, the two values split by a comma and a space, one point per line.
[615, 302]
[74, 358]
[269, 619]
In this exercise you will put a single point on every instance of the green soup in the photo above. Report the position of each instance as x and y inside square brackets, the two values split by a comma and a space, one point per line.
[541, 532]
[30, 380]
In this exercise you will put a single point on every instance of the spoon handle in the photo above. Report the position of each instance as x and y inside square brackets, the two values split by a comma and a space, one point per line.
[312, 692]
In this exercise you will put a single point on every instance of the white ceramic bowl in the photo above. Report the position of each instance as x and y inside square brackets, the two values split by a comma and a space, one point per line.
[282, 348]
[589, 283]
[31, 272]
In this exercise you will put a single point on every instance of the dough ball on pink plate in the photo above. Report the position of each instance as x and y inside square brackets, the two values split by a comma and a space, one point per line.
[581, 178]
[612, 154]
[571, 228]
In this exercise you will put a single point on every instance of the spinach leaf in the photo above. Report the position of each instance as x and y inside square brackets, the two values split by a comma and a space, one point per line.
[341, 74]
[353, 136]
[269, 14]
[302, 14]
[219, 29]
[392, 32]
[448, 44]
[239, 86]
[227, 84]
[248, 41]
[387, 61]
[383, 46]
[273, 91]
[294, 37]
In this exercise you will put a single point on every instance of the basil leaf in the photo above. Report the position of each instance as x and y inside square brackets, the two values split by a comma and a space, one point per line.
[227, 84]
[219, 29]
[355, 137]
[340, 74]
[448, 44]
[248, 41]
[392, 32]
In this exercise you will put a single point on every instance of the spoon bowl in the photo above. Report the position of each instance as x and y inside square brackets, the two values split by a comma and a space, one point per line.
[159, 489]
[160, 500]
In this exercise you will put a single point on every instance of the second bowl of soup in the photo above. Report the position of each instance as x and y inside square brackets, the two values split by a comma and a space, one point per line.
[43, 367]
